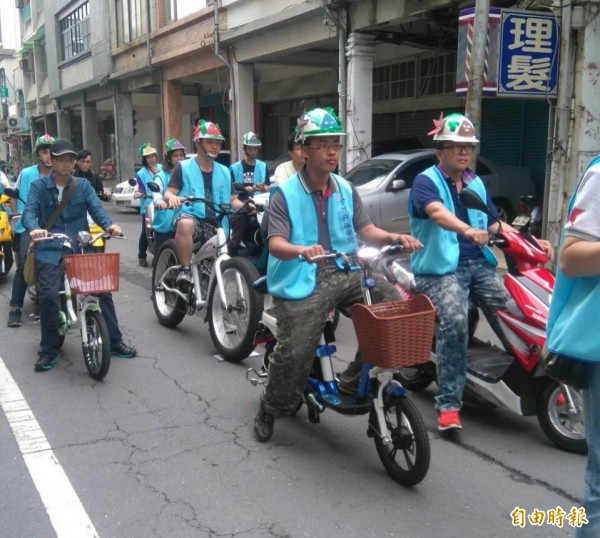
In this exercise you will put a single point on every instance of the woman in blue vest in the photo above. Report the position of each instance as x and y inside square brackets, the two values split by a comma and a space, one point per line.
[205, 178]
[252, 174]
[145, 175]
[574, 319]
[455, 262]
[313, 211]
[163, 218]
[21, 238]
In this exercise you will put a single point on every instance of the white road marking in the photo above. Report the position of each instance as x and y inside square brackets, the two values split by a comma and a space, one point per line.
[67, 515]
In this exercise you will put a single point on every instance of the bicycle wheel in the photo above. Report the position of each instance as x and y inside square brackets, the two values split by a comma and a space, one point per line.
[168, 306]
[406, 459]
[232, 329]
[96, 348]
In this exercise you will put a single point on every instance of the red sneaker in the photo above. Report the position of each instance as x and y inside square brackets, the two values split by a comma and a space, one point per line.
[448, 420]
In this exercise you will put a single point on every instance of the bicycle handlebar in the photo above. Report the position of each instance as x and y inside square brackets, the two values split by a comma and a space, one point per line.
[351, 257]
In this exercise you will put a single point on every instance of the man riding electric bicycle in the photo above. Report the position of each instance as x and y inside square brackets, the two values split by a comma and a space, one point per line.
[314, 211]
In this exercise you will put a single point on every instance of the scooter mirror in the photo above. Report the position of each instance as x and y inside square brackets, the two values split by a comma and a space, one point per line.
[11, 193]
[153, 186]
[471, 200]
[132, 182]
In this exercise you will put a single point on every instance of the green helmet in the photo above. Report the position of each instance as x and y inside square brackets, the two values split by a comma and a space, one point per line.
[172, 144]
[454, 128]
[207, 130]
[44, 142]
[251, 139]
[146, 149]
[318, 122]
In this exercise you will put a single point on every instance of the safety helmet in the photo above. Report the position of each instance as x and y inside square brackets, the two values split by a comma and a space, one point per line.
[318, 122]
[145, 149]
[172, 144]
[454, 128]
[62, 146]
[251, 139]
[207, 130]
[44, 142]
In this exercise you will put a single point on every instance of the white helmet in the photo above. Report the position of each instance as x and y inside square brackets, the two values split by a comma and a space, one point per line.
[454, 128]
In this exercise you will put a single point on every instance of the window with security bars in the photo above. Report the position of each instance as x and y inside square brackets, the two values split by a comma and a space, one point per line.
[132, 20]
[75, 32]
[394, 81]
[437, 75]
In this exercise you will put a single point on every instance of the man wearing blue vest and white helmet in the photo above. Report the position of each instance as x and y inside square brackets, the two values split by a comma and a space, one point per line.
[252, 173]
[201, 176]
[455, 262]
[21, 239]
[312, 212]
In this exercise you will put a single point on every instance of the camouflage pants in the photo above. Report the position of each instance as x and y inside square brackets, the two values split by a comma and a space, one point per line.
[450, 296]
[299, 328]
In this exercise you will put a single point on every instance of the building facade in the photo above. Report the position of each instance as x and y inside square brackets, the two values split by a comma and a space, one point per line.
[151, 68]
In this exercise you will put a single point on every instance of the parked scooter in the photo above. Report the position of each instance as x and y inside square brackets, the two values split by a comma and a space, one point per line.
[514, 380]
[6, 253]
[529, 220]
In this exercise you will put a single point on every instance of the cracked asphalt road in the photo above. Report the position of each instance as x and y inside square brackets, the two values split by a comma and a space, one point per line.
[164, 447]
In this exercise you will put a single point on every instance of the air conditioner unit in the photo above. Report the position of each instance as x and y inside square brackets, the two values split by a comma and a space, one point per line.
[14, 124]
[20, 4]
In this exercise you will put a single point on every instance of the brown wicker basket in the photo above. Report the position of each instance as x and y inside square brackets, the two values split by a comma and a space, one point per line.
[395, 334]
[92, 273]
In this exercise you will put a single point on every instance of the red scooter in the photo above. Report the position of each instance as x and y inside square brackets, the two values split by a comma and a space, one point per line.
[515, 379]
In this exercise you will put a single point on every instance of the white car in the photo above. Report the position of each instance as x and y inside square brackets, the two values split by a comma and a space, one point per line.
[123, 195]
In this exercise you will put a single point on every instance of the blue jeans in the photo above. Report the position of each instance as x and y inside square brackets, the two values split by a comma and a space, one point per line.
[50, 280]
[450, 296]
[19, 286]
[591, 498]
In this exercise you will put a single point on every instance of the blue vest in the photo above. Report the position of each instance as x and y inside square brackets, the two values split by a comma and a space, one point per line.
[144, 176]
[193, 185]
[260, 172]
[294, 279]
[163, 218]
[441, 252]
[574, 316]
[28, 176]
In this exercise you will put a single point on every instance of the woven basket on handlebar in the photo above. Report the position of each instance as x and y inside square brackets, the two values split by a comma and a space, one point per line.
[395, 334]
[92, 273]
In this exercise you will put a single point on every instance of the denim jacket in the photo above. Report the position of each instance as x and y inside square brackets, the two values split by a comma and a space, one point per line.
[42, 200]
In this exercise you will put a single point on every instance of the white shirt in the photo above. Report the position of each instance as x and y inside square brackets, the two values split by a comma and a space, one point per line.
[584, 219]
[4, 180]
[283, 171]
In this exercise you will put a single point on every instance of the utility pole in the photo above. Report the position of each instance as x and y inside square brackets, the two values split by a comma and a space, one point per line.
[476, 68]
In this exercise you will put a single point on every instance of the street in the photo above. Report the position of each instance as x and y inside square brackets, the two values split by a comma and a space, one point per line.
[164, 446]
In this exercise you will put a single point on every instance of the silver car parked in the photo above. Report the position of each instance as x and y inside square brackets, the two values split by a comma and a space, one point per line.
[384, 183]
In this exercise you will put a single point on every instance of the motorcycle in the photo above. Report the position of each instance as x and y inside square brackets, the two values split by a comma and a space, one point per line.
[513, 380]
[529, 220]
[395, 423]
[6, 253]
